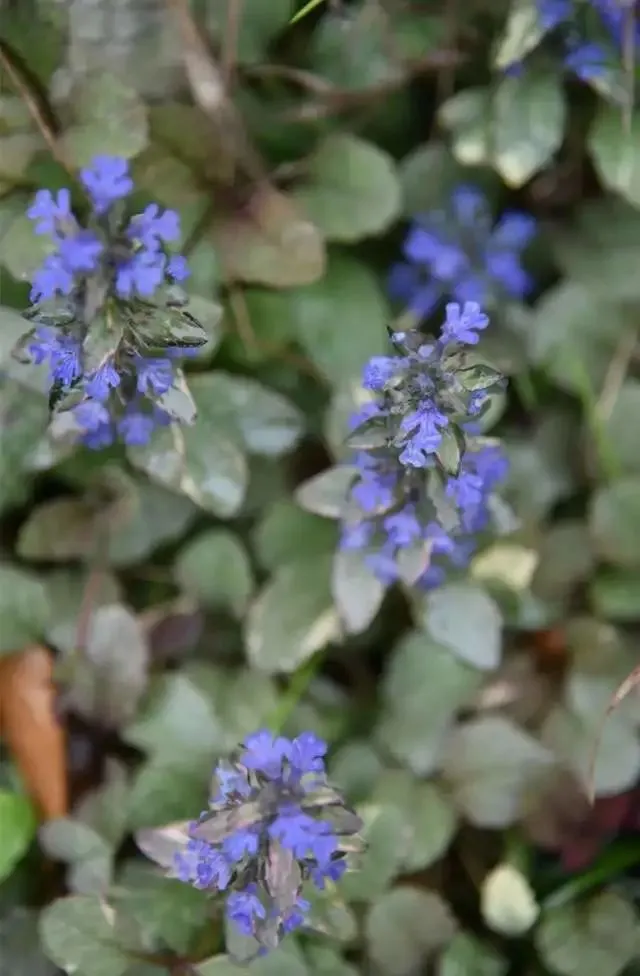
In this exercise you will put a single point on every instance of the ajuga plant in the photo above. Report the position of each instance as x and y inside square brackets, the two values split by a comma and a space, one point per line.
[109, 316]
[274, 825]
[424, 476]
[457, 252]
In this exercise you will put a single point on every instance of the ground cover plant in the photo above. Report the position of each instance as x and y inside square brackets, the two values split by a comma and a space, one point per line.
[319, 488]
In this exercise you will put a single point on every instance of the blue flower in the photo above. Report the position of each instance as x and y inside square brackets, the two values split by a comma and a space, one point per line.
[463, 324]
[177, 268]
[62, 352]
[266, 753]
[403, 528]
[423, 427]
[153, 376]
[142, 273]
[378, 372]
[551, 13]
[374, 489]
[48, 211]
[53, 278]
[106, 180]
[244, 909]
[80, 252]
[152, 227]
[137, 426]
[203, 866]
[307, 754]
[100, 383]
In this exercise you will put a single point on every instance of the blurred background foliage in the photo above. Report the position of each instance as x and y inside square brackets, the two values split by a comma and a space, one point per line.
[151, 615]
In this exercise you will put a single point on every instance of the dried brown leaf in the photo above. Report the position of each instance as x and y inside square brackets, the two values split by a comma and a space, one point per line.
[31, 729]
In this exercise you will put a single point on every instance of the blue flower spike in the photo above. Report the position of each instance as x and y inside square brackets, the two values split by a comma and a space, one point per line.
[417, 441]
[111, 270]
[274, 826]
[457, 253]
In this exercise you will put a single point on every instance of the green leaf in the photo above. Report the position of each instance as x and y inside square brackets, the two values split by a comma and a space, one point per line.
[156, 516]
[423, 688]
[24, 609]
[21, 250]
[325, 961]
[21, 951]
[487, 764]
[582, 740]
[467, 956]
[341, 320]
[107, 682]
[596, 939]
[449, 451]
[286, 960]
[199, 462]
[326, 493]
[601, 248]
[522, 34]
[109, 118]
[292, 617]
[330, 915]
[259, 24]
[178, 401]
[83, 849]
[619, 426]
[24, 417]
[527, 124]
[405, 927]
[387, 840]
[352, 190]
[573, 337]
[168, 789]
[269, 243]
[177, 718]
[565, 559]
[614, 142]
[615, 595]
[428, 813]
[101, 342]
[285, 531]
[18, 827]
[614, 520]
[215, 569]
[467, 116]
[79, 935]
[430, 173]
[65, 590]
[517, 129]
[257, 418]
[168, 912]
[467, 620]
[58, 531]
[357, 593]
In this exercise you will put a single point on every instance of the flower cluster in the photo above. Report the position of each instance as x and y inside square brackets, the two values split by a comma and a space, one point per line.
[592, 33]
[424, 478]
[108, 315]
[457, 253]
[273, 824]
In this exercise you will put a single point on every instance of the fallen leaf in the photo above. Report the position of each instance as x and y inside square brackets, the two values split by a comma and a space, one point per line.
[31, 730]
